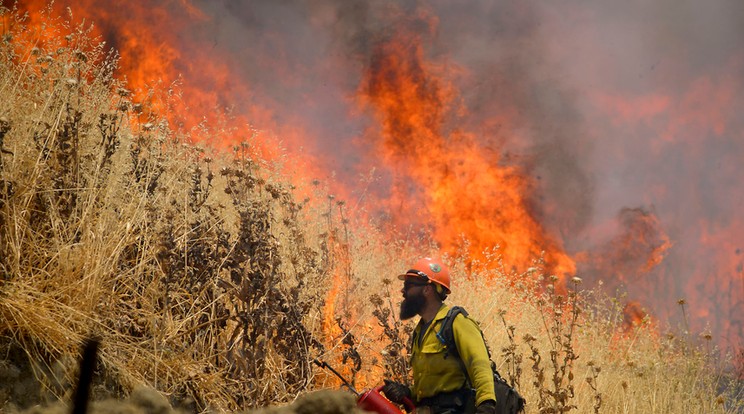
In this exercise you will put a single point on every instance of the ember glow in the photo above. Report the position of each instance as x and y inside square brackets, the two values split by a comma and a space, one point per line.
[608, 136]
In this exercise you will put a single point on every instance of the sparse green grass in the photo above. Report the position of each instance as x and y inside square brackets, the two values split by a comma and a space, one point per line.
[207, 280]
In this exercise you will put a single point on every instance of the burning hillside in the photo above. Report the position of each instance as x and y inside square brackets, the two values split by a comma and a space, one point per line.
[608, 136]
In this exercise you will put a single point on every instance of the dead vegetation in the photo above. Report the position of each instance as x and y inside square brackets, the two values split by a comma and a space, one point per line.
[200, 282]
[207, 280]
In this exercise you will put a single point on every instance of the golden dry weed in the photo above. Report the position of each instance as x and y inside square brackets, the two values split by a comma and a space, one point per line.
[206, 280]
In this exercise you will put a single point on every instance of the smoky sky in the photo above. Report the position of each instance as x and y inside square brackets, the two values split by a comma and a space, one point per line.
[618, 111]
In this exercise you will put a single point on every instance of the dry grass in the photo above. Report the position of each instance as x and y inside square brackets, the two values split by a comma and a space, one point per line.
[569, 352]
[198, 279]
[206, 279]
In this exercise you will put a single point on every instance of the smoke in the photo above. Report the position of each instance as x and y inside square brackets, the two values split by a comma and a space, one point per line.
[304, 62]
[626, 117]
[661, 96]
[621, 121]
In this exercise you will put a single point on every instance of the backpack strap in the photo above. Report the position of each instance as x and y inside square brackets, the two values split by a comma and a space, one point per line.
[507, 398]
[446, 334]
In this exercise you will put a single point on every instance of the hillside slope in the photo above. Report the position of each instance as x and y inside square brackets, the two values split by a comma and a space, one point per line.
[207, 280]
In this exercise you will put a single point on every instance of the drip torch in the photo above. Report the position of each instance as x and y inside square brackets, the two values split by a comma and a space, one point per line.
[370, 400]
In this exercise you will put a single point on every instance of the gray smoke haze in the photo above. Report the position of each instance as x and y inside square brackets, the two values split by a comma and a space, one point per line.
[620, 112]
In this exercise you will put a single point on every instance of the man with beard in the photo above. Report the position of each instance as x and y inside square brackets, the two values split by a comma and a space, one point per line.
[442, 382]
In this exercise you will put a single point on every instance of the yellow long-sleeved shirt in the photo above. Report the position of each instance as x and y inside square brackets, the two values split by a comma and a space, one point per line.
[434, 374]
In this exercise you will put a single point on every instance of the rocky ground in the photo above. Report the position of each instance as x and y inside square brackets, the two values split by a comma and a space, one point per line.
[144, 400]
[22, 393]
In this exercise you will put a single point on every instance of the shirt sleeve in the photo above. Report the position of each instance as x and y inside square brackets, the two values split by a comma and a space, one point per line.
[474, 355]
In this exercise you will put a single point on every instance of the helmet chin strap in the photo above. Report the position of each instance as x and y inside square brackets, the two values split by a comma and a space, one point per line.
[440, 291]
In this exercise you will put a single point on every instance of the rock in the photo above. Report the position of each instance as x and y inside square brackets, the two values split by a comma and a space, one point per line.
[150, 400]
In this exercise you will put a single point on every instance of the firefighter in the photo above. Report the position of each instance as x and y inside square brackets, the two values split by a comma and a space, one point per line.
[440, 383]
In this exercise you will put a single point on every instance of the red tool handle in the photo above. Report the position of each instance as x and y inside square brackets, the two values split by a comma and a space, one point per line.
[374, 401]
[409, 404]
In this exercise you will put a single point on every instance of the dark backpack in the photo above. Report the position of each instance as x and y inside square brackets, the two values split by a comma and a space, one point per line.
[508, 400]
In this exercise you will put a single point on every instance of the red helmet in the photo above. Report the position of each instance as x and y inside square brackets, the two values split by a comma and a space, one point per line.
[432, 270]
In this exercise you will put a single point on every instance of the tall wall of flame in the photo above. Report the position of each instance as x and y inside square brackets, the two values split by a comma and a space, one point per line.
[608, 134]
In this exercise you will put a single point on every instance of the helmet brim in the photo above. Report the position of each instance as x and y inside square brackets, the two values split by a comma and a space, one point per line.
[405, 275]
[415, 276]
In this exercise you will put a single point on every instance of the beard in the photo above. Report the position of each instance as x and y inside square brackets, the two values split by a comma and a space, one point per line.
[411, 306]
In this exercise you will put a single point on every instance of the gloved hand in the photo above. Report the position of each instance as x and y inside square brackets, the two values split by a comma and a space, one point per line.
[395, 391]
[486, 407]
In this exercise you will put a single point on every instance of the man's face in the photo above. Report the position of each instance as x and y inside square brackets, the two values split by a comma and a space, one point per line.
[413, 299]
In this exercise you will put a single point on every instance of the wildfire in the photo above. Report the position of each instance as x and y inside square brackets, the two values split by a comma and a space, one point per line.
[199, 87]
[660, 229]
[463, 191]
[634, 315]
[459, 192]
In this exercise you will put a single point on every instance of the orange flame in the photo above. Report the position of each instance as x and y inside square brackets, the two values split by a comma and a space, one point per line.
[634, 315]
[449, 180]
[466, 192]
[199, 87]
